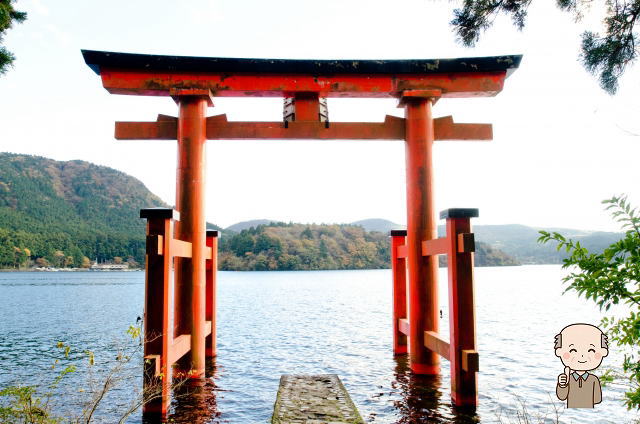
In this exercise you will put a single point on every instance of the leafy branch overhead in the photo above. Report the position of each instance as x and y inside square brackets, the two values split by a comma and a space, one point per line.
[8, 15]
[606, 56]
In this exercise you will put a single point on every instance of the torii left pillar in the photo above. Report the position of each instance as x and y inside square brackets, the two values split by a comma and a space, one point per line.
[421, 225]
[190, 202]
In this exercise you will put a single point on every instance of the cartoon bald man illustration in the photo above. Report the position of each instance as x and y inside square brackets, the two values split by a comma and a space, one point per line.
[581, 348]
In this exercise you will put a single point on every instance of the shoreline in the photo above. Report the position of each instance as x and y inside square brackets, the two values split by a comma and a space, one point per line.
[222, 270]
[68, 270]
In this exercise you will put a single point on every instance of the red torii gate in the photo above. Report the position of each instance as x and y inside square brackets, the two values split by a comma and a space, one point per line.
[183, 332]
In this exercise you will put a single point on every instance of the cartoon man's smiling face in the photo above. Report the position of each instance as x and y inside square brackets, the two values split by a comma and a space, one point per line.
[581, 347]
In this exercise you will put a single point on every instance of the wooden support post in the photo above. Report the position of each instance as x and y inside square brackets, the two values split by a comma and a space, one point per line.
[462, 322]
[158, 309]
[421, 225]
[190, 183]
[307, 107]
[210, 313]
[399, 273]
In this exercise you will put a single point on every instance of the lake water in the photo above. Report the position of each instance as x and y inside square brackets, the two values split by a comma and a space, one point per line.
[312, 322]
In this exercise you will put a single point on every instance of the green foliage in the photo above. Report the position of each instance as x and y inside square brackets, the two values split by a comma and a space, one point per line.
[605, 56]
[30, 404]
[609, 55]
[304, 247]
[279, 246]
[610, 278]
[37, 404]
[8, 16]
[65, 211]
[22, 405]
[476, 16]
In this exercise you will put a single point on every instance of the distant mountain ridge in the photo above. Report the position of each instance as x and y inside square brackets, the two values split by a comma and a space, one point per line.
[378, 224]
[520, 242]
[372, 224]
[517, 241]
[245, 225]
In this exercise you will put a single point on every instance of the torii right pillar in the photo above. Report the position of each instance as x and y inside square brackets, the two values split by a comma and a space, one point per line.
[421, 225]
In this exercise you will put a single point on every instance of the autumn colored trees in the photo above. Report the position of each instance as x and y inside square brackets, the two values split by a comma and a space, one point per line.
[280, 246]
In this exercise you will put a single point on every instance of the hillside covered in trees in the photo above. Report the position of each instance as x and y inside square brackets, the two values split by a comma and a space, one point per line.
[304, 247]
[280, 246]
[63, 212]
[521, 241]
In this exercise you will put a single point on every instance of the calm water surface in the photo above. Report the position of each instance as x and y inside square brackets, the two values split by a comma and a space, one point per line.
[274, 323]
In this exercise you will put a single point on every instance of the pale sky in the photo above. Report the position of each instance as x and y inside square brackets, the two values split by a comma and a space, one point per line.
[560, 146]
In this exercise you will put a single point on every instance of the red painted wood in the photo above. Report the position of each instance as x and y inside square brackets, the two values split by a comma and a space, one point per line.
[421, 225]
[180, 347]
[181, 249]
[218, 128]
[158, 337]
[446, 129]
[435, 247]
[158, 83]
[307, 107]
[470, 360]
[399, 272]
[190, 196]
[435, 342]
[403, 326]
[210, 312]
[462, 323]
[402, 251]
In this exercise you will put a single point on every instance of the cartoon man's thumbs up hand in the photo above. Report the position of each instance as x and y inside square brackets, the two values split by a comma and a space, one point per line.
[563, 379]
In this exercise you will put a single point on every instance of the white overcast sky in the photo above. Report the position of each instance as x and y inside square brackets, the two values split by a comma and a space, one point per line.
[560, 146]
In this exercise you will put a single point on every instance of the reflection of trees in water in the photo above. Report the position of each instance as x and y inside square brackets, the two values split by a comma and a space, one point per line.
[195, 401]
[421, 399]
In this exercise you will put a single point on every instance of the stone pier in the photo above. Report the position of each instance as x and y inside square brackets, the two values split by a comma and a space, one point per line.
[314, 399]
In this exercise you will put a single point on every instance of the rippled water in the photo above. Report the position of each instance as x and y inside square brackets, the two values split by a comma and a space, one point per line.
[274, 323]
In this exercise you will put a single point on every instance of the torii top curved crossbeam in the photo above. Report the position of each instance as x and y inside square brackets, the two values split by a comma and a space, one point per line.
[151, 75]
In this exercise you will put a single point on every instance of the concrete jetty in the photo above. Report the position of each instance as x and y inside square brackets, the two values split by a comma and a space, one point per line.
[314, 399]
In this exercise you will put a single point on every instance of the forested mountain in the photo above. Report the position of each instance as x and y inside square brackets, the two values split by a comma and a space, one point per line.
[487, 255]
[280, 246]
[304, 247]
[66, 211]
[372, 224]
[520, 241]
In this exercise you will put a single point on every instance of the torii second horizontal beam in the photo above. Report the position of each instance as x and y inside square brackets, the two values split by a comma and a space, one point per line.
[219, 128]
